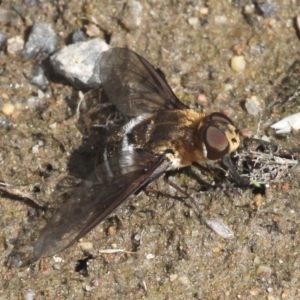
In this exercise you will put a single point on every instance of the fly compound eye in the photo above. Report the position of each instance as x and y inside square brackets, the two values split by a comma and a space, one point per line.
[219, 117]
[216, 142]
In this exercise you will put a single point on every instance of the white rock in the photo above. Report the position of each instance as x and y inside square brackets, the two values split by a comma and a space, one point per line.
[238, 63]
[8, 108]
[79, 62]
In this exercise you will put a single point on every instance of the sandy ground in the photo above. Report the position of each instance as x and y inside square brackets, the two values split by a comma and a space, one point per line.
[175, 257]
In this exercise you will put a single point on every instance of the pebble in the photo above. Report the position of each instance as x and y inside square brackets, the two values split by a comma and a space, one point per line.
[173, 277]
[95, 282]
[29, 295]
[7, 17]
[31, 2]
[5, 123]
[15, 45]
[238, 63]
[193, 21]
[57, 267]
[249, 9]
[132, 14]
[256, 260]
[39, 79]
[8, 108]
[53, 126]
[254, 292]
[258, 200]
[86, 246]
[34, 102]
[35, 148]
[264, 269]
[253, 106]
[184, 280]
[112, 230]
[78, 36]
[246, 133]
[220, 19]
[42, 39]
[92, 30]
[202, 100]
[266, 9]
[79, 63]
[150, 256]
[203, 10]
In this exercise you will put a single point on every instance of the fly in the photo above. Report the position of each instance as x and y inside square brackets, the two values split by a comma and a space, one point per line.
[163, 135]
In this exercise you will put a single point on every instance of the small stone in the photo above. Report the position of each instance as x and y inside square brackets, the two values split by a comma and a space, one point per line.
[15, 45]
[266, 9]
[253, 106]
[5, 122]
[7, 17]
[86, 246]
[29, 295]
[249, 9]
[53, 125]
[246, 133]
[57, 267]
[173, 277]
[31, 2]
[88, 288]
[285, 294]
[254, 292]
[256, 260]
[258, 200]
[92, 30]
[220, 19]
[57, 259]
[112, 230]
[202, 100]
[33, 102]
[42, 39]
[150, 256]
[79, 63]
[95, 282]
[39, 79]
[238, 63]
[203, 10]
[184, 280]
[35, 149]
[193, 21]
[239, 49]
[285, 187]
[8, 108]
[78, 36]
[132, 14]
[264, 269]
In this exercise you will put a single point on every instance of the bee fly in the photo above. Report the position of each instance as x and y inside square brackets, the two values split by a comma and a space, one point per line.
[163, 135]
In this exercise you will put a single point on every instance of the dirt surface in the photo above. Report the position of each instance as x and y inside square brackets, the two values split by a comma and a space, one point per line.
[175, 256]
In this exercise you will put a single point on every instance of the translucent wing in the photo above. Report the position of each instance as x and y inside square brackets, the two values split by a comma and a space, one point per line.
[133, 85]
[111, 183]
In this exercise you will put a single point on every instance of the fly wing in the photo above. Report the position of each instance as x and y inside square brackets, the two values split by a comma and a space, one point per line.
[111, 183]
[133, 85]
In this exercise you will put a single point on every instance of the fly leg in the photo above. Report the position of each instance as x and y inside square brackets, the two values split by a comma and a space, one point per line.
[192, 200]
